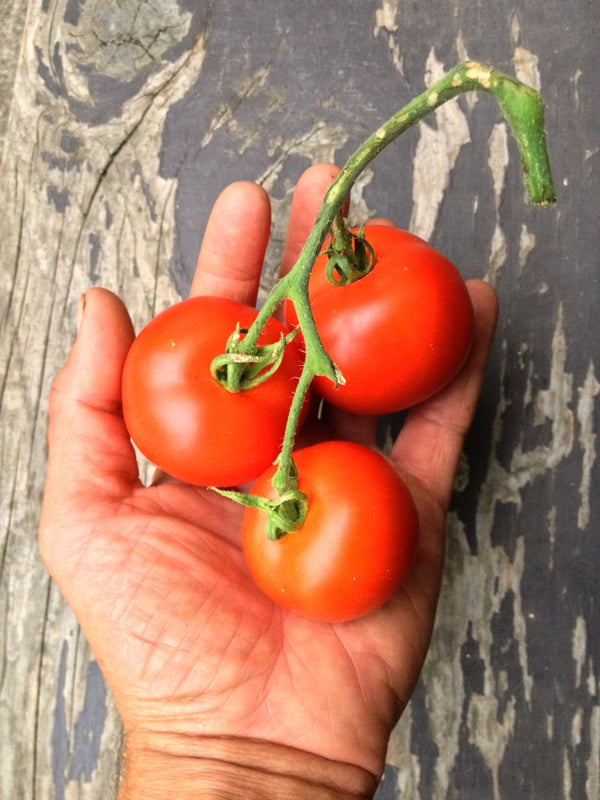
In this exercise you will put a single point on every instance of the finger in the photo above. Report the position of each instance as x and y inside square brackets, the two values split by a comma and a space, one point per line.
[234, 244]
[386, 223]
[89, 447]
[306, 203]
[431, 439]
[232, 252]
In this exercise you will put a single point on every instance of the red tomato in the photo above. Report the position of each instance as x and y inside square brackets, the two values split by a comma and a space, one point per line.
[400, 333]
[356, 544]
[181, 418]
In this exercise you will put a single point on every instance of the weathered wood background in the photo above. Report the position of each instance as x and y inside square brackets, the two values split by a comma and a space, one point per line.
[121, 122]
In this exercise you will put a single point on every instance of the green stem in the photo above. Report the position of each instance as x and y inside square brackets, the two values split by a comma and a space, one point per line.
[522, 108]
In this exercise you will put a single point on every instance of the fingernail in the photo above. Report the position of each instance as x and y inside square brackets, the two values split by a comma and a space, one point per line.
[80, 311]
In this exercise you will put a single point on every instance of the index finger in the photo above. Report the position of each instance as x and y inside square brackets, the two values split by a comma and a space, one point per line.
[306, 202]
[234, 244]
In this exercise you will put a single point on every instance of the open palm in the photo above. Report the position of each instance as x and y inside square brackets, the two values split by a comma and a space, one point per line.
[156, 576]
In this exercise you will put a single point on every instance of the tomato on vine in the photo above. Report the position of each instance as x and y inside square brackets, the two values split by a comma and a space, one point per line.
[330, 531]
[398, 334]
[355, 545]
[179, 415]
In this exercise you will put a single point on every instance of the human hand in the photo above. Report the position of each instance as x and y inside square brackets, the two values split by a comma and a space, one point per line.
[218, 689]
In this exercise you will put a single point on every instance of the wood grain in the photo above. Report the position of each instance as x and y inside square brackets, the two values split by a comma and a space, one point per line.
[121, 123]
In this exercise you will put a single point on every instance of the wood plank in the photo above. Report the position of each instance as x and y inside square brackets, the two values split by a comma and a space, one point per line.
[126, 121]
[12, 21]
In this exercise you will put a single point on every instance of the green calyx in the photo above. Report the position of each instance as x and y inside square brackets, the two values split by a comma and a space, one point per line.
[349, 255]
[236, 370]
[286, 513]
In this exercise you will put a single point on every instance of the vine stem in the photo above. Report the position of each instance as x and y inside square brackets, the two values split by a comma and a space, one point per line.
[523, 110]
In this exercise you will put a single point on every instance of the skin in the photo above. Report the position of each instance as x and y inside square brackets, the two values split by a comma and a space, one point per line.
[222, 693]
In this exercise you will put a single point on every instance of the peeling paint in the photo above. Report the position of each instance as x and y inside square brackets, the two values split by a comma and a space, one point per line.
[579, 642]
[526, 67]
[442, 674]
[435, 156]
[359, 208]
[526, 245]
[498, 159]
[475, 587]
[385, 16]
[493, 732]
[553, 403]
[76, 750]
[319, 144]
[593, 684]
[225, 115]
[60, 736]
[587, 442]
[593, 762]
[498, 164]
[567, 780]
[497, 255]
[89, 726]
[577, 75]
[385, 21]
[60, 198]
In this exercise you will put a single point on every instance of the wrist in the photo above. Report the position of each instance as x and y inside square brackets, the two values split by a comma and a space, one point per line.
[223, 768]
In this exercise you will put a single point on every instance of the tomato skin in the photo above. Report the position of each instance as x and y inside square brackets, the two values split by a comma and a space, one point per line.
[357, 542]
[399, 334]
[181, 418]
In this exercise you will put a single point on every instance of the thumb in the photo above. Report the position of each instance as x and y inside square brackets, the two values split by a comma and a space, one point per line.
[90, 452]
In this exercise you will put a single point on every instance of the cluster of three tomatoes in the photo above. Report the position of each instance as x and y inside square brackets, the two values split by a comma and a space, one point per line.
[398, 335]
